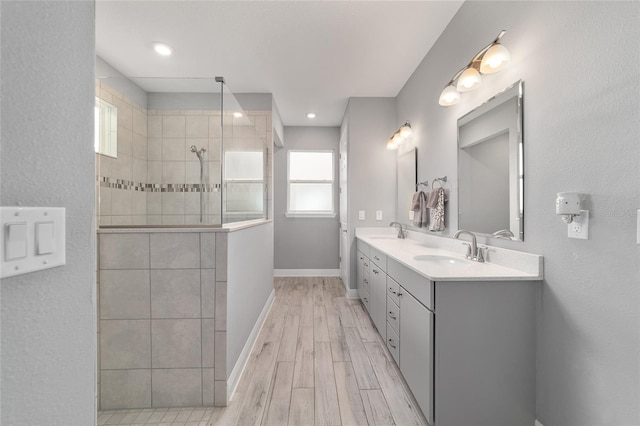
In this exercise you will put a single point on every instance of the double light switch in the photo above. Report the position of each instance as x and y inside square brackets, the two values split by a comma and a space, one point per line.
[33, 238]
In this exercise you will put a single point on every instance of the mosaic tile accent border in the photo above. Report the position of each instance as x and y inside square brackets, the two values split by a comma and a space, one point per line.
[106, 182]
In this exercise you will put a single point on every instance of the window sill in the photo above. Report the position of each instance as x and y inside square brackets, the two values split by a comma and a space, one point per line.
[311, 215]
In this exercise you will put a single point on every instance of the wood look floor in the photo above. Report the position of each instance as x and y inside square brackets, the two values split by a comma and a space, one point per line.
[317, 361]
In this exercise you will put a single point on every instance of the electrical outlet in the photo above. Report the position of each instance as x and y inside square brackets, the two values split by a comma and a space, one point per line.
[579, 228]
[411, 213]
[378, 214]
[360, 214]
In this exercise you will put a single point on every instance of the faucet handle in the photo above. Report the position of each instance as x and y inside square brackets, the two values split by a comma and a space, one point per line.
[482, 253]
[469, 254]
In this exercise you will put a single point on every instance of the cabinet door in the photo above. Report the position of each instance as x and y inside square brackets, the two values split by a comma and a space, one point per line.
[416, 350]
[378, 297]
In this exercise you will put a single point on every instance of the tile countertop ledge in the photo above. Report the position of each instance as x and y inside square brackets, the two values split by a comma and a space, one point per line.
[501, 264]
[227, 227]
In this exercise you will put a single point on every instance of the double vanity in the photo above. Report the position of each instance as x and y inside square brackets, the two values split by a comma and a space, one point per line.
[462, 332]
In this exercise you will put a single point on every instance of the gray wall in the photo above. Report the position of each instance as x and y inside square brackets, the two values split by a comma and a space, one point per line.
[371, 168]
[247, 101]
[579, 62]
[249, 284]
[305, 243]
[49, 317]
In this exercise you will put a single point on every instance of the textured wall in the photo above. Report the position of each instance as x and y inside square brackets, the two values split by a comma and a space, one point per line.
[305, 243]
[49, 317]
[579, 62]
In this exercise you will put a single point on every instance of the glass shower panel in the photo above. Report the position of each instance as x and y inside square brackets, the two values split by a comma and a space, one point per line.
[168, 165]
[245, 158]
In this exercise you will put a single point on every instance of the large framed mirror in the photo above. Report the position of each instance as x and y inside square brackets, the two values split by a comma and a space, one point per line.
[491, 167]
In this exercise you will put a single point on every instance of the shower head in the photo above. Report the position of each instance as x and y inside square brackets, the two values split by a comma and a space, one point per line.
[199, 153]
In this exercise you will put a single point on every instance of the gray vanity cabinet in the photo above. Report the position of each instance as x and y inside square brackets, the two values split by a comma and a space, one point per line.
[416, 351]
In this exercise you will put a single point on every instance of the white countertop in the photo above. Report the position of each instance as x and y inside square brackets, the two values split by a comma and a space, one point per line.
[501, 264]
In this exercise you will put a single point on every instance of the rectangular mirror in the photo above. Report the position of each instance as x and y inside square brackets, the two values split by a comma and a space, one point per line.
[491, 167]
[406, 181]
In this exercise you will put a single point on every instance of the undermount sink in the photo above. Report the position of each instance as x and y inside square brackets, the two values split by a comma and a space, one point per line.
[384, 237]
[442, 260]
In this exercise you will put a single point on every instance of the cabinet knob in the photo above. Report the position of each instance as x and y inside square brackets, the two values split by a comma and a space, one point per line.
[366, 282]
[391, 290]
[399, 294]
[391, 344]
[365, 299]
[391, 315]
[376, 257]
[375, 272]
[361, 258]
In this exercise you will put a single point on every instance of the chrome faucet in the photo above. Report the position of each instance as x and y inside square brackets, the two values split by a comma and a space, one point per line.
[400, 230]
[473, 253]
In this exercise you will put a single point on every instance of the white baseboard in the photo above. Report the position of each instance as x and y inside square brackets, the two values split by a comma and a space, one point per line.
[306, 272]
[537, 423]
[238, 369]
[352, 293]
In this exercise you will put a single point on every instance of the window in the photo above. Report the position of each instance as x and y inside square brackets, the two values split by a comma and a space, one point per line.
[244, 182]
[310, 183]
[106, 128]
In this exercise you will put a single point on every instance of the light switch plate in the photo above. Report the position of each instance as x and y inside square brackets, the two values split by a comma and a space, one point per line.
[378, 214]
[579, 228]
[44, 238]
[360, 214]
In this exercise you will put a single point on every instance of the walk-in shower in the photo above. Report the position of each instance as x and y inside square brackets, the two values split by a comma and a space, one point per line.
[200, 154]
[162, 291]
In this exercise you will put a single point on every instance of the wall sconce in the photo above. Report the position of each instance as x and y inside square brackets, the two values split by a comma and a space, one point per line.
[492, 58]
[398, 138]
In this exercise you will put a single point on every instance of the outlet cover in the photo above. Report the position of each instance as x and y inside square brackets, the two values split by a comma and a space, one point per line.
[378, 214]
[360, 214]
[579, 228]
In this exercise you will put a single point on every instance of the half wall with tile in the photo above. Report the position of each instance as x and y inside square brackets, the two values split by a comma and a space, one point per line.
[162, 303]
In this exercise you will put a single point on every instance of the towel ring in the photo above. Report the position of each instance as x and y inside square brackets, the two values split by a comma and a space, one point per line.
[439, 180]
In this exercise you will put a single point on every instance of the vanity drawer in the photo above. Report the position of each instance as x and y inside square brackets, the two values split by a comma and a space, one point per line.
[363, 247]
[379, 258]
[393, 288]
[365, 300]
[393, 343]
[420, 287]
[393, 315]
[365, 282]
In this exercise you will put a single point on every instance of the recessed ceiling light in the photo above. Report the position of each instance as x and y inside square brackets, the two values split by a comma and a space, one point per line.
[237, 114]
[162, 49]
[311, 115]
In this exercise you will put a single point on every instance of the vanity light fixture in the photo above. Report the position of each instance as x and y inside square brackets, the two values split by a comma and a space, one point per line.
[492, 58]
[398, 138]
[162, 49]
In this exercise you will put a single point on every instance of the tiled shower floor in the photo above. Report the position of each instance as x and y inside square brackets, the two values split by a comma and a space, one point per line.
[193, 416]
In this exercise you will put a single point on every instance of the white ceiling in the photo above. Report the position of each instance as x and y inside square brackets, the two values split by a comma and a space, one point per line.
[311, 55]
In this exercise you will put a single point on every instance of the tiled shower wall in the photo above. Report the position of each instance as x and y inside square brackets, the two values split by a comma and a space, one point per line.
[155, 179]
[162, 328]
[123, 206]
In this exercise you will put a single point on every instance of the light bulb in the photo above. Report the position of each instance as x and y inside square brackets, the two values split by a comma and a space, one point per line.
[391, 145]
[397, 139]
[469, 80]
[405, 130]
[495, 59]
[237, 114]
[449, 96]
